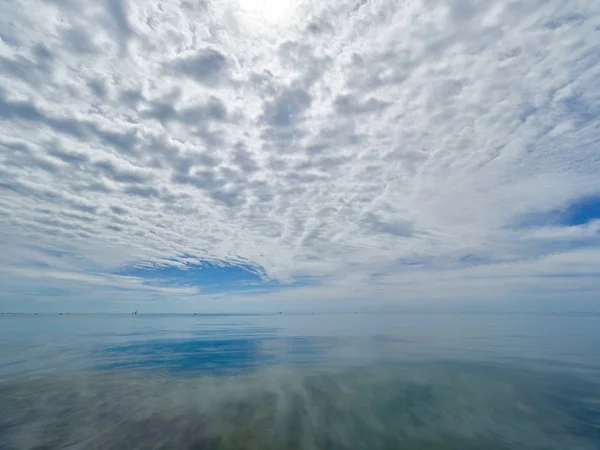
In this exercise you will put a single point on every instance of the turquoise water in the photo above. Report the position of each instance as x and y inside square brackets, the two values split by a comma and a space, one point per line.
[355, 381]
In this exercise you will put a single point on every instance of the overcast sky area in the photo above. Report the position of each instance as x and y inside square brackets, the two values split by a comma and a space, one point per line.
[267, 155]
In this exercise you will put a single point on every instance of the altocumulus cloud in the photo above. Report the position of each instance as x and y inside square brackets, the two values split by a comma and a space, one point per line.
[389, 152]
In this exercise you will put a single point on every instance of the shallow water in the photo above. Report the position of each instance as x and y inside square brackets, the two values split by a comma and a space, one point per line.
[430, 381]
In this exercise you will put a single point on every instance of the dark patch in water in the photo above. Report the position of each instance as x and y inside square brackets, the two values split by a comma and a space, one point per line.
[189, 355]
[224, 355]
[217, 355]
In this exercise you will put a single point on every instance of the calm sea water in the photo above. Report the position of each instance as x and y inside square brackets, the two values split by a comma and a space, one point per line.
[430, 381]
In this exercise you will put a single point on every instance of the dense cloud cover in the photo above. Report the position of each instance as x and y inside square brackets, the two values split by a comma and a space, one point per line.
[387, 151]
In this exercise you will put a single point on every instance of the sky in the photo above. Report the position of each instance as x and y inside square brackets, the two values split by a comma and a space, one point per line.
[267, 155]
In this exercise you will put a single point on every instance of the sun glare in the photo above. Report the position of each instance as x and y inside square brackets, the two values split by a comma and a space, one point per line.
[266, 13]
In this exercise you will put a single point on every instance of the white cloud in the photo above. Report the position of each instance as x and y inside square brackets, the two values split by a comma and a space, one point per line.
[336, 142]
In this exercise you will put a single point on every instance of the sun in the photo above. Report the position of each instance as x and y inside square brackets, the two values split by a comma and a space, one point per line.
[266, 13]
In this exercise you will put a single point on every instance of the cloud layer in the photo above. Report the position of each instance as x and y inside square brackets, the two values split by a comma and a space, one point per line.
[393, 151]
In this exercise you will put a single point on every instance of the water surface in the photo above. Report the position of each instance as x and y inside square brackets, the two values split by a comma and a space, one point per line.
[314, 381]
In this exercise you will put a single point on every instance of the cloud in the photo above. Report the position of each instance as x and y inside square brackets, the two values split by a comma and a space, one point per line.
[341, 145]
[207, 66]
[348, 104]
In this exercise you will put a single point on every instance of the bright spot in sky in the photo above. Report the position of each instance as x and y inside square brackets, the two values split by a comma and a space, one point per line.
[266, 13]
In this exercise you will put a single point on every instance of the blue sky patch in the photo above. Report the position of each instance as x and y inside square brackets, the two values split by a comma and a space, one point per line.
[579, 212]
[210, 277]
[582, 211]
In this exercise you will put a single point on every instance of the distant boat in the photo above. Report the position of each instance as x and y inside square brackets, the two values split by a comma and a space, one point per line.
[134, 313]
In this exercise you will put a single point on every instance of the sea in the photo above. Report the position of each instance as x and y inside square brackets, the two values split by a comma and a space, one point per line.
[418, 381]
